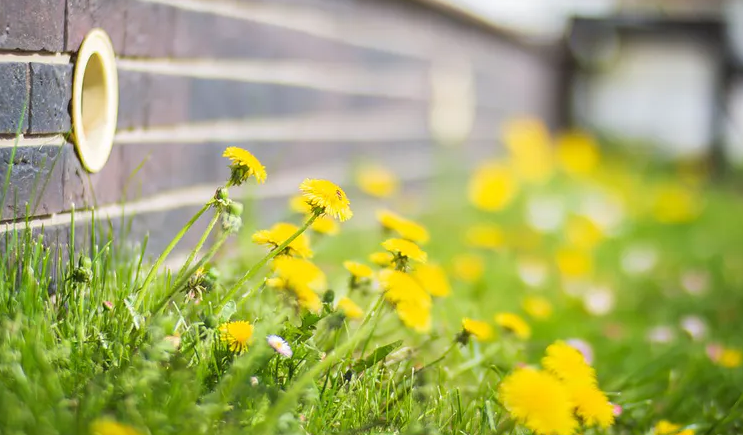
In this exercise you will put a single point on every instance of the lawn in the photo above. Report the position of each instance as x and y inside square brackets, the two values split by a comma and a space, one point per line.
[557, 289]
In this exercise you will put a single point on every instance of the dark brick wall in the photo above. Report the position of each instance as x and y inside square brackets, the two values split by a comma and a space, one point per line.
[378, 40]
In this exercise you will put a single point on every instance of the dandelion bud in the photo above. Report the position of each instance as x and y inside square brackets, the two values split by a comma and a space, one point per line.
[85, 262]
[235, 209]
[222, 194]
[328, 297]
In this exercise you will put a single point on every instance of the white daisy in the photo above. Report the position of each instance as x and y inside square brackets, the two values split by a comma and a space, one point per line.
[280, 345]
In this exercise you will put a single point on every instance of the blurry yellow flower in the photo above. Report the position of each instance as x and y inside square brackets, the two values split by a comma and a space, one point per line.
[406, 228]
[568, 364]
[236, 335]
[513, 323]
[674, 203]
[538, 307]
[280, 232]
[105, 426]
[327, 197]
[414, 315]
[492, 187]
[730, 358]
[592, 405]
[350, 309]
[468, 267]
[574, 263]
[298, 204]
[583, 233]
[577, 152]
[243, 165]
[276, 282]
[297, 272]
[307, 299]
[325, 225]
[539, 401]
[529, 144]
[358, 270]
[405, 249]
[376, 181]
[433, 279]
[382, 259]
[482, 331]
[665, 427]
[487, 236]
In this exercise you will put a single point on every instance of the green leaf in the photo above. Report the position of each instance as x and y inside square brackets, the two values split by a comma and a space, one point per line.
[378, 355]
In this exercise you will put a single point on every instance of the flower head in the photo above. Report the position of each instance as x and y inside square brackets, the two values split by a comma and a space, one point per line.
[280, 346]
[468, 267]
[327, 198]
[325, 225]
[405, 249]
[412, 303]
[529, 143]
[513, 323]
[665, 427]
[486, 236]
[539, 401]
[105, 426]
[297, 272]
[236, 335]
[538, 307]
[577, 153]
[382, 259]
[568, 364]
[349, 308]
[406, 228]
[278, 234]
[414, 315]
[482, 331]
[377, 181]
[298, 204]
[591, 404]
[358, 270]
[433, 279]
[244, 165]
[492, 187]
[307, 298]
[574, 263]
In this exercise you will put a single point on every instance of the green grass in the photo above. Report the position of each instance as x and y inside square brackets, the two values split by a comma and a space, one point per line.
[94, 338]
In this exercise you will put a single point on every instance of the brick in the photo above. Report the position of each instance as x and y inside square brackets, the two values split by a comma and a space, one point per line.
[51, 92]
[35, 181]
[32, 26]
[83, 189]
[149, 30]
[84, 15]
[168, 101]
[134, 96]
[13, 97]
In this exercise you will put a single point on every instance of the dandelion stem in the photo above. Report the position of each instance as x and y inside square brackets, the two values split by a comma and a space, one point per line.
[199, 245]
[257, 266]
[166, 252]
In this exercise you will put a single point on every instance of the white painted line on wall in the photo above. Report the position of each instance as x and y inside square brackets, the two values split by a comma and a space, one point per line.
[306, 20]
[380, 126]
[34, 141]
[388, 82]
[57, 58]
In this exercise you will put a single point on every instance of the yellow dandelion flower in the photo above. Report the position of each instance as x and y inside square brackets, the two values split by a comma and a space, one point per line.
[276, 282]
[583, 233]
[358, 270]
[492, 187]
[468, 267]
[433, 279]
[105, 426]
[730, 358]
[530, 146]
[350, 309]
[244, 165]
[278, 234]
[327, 197]
[298, 272]
[577, 153]
[325, 225]
[400, 286]
[478, 329]
[414, 315]
[665, 427]
[538, 307]
[376, 181]
[574, 263]
[406, 228]
[486, 236]
[568, 364]
[298, 204]
[236, 335]
[592, 405]
[513, 323]
[405, 249]
[382, 259]
[539, 401]
[307, 299]
[674, 203]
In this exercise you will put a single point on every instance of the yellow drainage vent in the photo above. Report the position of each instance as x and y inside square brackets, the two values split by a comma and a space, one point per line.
[95, 100]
